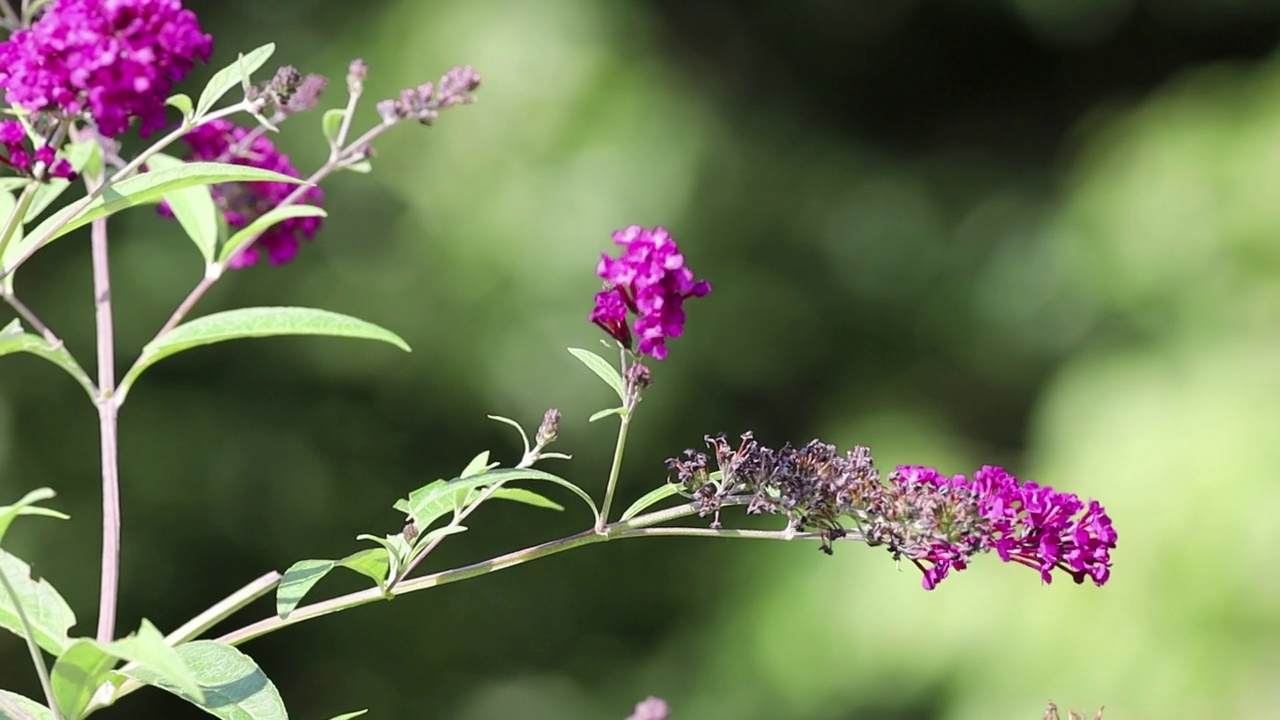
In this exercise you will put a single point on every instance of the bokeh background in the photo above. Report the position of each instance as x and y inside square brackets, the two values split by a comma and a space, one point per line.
[1038, 233]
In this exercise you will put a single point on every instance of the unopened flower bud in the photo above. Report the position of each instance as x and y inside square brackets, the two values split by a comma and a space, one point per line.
[652, 708]
[357, 71]
[547, 430]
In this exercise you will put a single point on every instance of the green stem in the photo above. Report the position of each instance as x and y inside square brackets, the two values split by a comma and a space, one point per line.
[29, 634]
[614, 470]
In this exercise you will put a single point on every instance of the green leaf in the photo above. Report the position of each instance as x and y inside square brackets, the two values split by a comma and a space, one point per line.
[264, 222]
[14, 340]
[48, 613]
[479, 465]
[233, 685]
[10, 183]
[350, 715]
[232, 75]
[193, 207]
[27, 506]
[363, 167]
[78, 155]
[331, 123]
[182, 102]
[153, 655]
[373, 564]
[254, 323]
[297, 581]
[78, 674]
[8, 206]
[149, 187]
[431, 502]
[649, 499]
[601, 367]
[606, 413]
[528, 497]
[33, 709]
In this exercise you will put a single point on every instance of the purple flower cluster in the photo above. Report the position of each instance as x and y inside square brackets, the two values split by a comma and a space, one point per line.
[936, 522]
[241, 203]
[1029, 523]
[114, 59]
[13, 137]
[649, 280]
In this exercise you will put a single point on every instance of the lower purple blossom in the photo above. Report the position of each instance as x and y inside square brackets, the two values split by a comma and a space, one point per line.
[650, 281]
[241, 203]
[937, 522]
[13, 138]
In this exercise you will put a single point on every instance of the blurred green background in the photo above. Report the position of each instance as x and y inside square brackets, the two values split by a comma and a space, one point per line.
[1038, 233]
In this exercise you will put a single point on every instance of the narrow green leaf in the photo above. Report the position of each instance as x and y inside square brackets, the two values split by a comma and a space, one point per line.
[255, 322]
[27, 506]
[649, 499]
[150, 187]
[350, 715]
[478, 466]
[263, 223]
[193, 207]
[397, 547]
[78, 155]
[442, 531]
[363, 167]
[524, 437]
[233, 685]
[8, 206]
[148, 649]
[182, 102]
[78, 674]
[14, 340]
[606, 413]
[602, 368]
[431, 502]
[232, 75]
[48, 613]
[10, 183]
[331, 123]
[33, 709]
[297, 581]
[528, 497]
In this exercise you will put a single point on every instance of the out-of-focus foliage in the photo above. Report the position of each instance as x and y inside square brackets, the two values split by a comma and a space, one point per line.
[1029, 233]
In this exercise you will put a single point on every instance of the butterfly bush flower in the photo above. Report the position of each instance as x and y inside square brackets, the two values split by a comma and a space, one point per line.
[242, 202]
[936, 522]
[13, 138]
[111, 59]
[649, 280]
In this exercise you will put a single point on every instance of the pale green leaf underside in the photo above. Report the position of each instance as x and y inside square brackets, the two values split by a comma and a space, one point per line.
[14, 340]
[437, 499]
[235, 688]
[27, 506]
[78, 674]
[350, 715]
[528, 497]
[256, 322]
[32, 708]
[602, 368]
[48, 613]
[147, 648]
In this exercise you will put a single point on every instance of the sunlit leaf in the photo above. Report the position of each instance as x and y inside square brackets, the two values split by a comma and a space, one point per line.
[651, 498]
[14, 340]
[182, 102]
[192, 207]
[233, 685]
[48, 613]
[350, 715]
[255, 322]
[431, 502]
[78, 674]
[145, 188]
[528, 497]
[297, 581]
[232, 75]
[149, 650]
[262, 223]
[602, 368]
[331, 123]
[478, 466]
